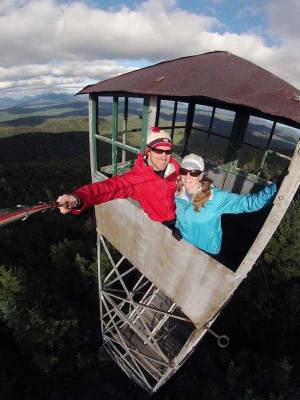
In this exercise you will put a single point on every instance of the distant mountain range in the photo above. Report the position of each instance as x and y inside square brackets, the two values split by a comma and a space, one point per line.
[47, 105]
[17, 111]
[38, 100]
[33, 110]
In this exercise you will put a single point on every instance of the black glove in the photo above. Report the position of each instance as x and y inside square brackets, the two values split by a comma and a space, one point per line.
[281, 177]
[176, 234]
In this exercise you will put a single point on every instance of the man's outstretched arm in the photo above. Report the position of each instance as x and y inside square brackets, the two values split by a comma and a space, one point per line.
[118, 187]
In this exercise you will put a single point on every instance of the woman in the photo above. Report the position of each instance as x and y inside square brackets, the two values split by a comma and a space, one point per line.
[200, 205]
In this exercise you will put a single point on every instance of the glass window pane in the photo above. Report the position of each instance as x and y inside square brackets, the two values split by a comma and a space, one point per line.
[130, 138]
[181, 114]
[202, 116]
[273, 166]
[135, 113]
[223, 121]
[105, 112]
[285, 139]
[178, 140]
[249, 159]
[104, 158]
[130, 134]
[258, 131]
[166, 113]
[125, 160]
[216, 149]
[133, 139]
[197, 141]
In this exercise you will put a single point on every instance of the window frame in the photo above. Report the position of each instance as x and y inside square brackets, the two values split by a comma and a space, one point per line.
[115, 144]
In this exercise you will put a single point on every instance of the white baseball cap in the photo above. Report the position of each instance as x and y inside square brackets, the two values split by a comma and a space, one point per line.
[192, 161]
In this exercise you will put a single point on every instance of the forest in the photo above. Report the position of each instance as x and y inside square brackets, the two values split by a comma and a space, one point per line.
[49, 310]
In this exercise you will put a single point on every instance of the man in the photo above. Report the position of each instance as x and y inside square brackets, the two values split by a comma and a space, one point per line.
[152, 182]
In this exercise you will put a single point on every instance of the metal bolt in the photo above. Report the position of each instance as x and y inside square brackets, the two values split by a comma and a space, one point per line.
[222, 340]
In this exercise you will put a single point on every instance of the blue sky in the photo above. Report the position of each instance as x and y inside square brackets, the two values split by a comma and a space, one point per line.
[62, 45]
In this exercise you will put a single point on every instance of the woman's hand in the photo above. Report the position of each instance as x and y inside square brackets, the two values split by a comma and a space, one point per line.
[176, 234]
[281, 177]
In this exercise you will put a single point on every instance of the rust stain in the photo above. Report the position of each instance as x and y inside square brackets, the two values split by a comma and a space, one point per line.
[216, 76]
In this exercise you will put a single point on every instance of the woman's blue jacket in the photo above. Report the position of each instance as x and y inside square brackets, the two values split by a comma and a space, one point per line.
[203, 228]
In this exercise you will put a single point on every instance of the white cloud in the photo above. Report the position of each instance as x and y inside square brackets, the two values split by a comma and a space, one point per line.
[46, 42]
[103, 68]
[44, 30]
[9, 5]
[60, 77]
[284, 20]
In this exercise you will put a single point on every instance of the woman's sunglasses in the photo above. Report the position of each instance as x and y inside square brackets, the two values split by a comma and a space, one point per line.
[192, 172]
[161, 151]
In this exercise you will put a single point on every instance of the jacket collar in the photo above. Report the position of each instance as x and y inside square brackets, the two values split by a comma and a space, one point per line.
[169, 170]
[183, 195]
[171, 167]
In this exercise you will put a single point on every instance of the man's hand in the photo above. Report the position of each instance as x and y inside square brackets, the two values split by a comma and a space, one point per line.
[66, 202]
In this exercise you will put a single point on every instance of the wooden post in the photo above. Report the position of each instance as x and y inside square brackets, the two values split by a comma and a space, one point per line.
[93, 131]
[149, 117]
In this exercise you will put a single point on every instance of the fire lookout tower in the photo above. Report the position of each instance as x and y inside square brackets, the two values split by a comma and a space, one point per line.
[161, 296]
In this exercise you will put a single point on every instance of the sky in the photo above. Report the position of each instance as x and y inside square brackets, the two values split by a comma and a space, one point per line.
[63, 45]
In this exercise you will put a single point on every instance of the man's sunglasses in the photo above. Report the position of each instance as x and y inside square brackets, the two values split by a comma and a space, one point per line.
[192, 172]
[161, 151]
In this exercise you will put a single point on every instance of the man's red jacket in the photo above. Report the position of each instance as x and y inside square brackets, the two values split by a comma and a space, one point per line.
[141, 183]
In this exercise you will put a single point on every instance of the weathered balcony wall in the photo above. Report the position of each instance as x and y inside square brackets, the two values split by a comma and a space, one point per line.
[196, 282]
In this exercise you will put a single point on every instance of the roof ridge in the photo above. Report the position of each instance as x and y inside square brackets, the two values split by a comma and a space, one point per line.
[154, 65]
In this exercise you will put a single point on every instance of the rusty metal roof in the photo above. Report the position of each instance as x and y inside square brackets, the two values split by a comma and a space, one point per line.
[219, 76]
